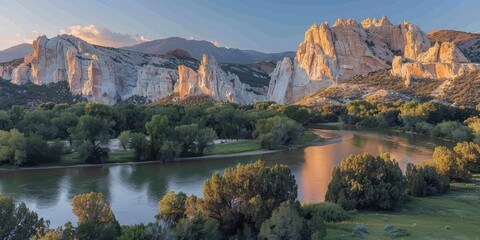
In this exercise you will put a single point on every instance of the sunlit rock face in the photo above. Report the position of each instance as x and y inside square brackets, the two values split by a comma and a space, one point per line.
[211, 80]
[440, 61]
[348, 48]
[109, 75]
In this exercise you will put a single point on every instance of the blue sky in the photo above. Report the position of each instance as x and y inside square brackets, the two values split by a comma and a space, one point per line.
[264, 25]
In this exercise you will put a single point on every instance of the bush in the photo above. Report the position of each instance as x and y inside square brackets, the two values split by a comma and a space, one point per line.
[367, 181]
[425, 181]
[329, 212]
[277, 131]
[285, 223]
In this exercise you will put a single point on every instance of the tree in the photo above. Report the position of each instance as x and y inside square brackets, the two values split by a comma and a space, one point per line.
[64, 122]
[12, 147]
[5, 121]
[285, 223]
[205, 140]
[96, 133]
[172, 207]
[139, 144]
[447, 162]
[186, 136]
[245, 196]
[124, 139]
[157, 130]
[469, 154]
[298, 113]
[367, 181]
[95, 218]
[277, 131]
[17, 221]
[425, 181]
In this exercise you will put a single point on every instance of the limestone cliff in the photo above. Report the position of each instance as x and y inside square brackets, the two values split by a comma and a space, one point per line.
[109, 75]
[211, 80]
[347, 49]
[439, 62]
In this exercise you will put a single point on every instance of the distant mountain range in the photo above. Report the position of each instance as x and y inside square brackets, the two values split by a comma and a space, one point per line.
[15, 52]
[198, 48]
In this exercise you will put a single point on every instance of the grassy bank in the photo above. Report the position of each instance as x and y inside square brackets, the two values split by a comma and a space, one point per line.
[242, 146]
[454, 215]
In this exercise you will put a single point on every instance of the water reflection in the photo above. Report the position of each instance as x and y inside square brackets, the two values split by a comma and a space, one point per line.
[134, 190]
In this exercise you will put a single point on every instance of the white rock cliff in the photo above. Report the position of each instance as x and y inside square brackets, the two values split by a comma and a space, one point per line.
[347, 49]
[108, 75]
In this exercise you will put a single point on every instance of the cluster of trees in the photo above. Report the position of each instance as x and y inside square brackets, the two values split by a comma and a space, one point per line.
[252, 201]
[369, 181]
[153, 132]
[430, 118]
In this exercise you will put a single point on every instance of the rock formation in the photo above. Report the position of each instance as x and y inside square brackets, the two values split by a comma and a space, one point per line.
[347, 49]
[211, 80]
[108, 75]
[440, 61]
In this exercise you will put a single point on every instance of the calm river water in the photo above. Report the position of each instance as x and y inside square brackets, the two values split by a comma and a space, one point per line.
[134, 190]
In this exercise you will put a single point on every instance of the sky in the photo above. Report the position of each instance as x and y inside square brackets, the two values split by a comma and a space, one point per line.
[262, 25]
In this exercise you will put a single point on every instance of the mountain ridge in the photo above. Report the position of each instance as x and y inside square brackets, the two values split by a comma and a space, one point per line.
[196, 48]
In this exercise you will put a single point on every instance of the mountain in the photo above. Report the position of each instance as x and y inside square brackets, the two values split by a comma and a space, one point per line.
[331, 55]
[198, 48]
[110, 75]
[468, 43]
[15, 52]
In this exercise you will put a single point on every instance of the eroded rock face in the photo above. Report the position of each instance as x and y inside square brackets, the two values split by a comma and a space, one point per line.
[211, 80]
[109, 75]
[347, 49]
[440, 61]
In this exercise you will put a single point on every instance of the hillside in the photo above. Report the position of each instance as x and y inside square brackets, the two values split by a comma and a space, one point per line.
[198, 48]
[468, 43]
[15, 52]
[382, 86]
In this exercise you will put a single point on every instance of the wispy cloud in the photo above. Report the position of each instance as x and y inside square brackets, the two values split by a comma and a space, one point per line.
[103, 36]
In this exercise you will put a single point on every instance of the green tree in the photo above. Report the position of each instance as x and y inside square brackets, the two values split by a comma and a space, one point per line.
[124, 139]
[425, 181]
[205, 140]
[65, 122]
[157, 130]
[367, 181]
[245, 196]
[5, 121]
[13, 147]
[284, 224]
[17, 222]
[139, 144]
[277, 131]
[96, 133]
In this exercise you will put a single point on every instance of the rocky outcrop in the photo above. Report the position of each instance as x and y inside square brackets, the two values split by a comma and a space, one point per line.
[109, 75]
[468, 43]
[440, 61]
[212, 81]
[347, 49]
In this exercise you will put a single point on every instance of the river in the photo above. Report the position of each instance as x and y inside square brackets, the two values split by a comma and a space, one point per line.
[134, 190]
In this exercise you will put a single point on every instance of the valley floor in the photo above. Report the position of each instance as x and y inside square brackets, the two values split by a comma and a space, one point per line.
[454, 215]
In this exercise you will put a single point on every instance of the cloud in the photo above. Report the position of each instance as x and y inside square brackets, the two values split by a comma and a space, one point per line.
[103, 36]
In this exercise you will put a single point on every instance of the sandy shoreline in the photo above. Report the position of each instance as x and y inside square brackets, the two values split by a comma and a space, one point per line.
[326, 137]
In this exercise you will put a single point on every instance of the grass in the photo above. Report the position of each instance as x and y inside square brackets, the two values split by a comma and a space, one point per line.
[113, 157]
[455, 215]
[236, 147]
[253, 145]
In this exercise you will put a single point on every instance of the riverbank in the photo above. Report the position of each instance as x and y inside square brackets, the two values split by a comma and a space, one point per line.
[228, 150]
[453, 215]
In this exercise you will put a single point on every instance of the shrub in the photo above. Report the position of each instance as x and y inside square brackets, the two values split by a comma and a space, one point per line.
[329, 212]
[425, 181]
[367, 181]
